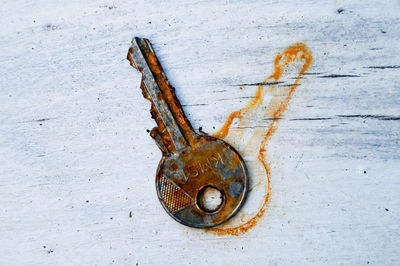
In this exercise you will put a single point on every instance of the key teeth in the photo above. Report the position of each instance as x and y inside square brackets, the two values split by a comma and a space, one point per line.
[155, 134]
[130, 59]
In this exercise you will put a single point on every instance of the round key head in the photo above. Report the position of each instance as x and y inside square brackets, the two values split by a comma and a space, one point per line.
[202, 185]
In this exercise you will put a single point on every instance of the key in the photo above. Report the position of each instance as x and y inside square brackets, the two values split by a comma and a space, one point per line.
[201, 181]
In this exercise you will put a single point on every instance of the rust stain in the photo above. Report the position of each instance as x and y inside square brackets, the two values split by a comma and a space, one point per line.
[275, 110]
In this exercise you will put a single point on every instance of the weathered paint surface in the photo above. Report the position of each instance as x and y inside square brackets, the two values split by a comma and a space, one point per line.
[77, 166]
[247, 116]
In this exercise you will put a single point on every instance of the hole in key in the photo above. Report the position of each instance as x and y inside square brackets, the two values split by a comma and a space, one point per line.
[210, 199]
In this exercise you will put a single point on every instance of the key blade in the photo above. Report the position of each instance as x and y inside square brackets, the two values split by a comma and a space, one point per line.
[137, 58]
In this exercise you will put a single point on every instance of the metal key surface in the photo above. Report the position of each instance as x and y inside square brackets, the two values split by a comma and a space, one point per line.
[193, 165]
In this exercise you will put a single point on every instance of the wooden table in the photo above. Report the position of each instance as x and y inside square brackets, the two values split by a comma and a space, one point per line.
[77, 165]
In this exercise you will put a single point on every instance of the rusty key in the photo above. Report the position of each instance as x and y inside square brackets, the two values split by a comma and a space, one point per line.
[201, 181]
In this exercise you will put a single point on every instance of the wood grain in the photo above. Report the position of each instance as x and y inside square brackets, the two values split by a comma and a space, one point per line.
[77, 165]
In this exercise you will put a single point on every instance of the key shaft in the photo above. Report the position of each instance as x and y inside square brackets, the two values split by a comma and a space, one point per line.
[169, 113]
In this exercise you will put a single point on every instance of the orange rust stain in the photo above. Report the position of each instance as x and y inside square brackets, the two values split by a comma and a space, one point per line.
[276, 108]
[159, 96]
[296, 51]
[174, 167]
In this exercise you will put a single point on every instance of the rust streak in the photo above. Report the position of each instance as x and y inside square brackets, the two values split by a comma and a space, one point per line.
[276, 108]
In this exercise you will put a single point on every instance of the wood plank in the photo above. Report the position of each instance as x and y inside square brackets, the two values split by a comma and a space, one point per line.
[76, 159]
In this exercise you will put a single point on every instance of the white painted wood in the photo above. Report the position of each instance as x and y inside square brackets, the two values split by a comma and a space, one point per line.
[76, 158]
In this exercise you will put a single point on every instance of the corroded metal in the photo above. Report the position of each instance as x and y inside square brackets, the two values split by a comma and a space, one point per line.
[190, 161]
